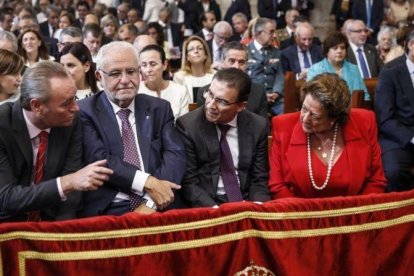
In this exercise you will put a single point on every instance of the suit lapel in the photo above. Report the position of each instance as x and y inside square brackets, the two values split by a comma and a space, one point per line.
[209, 137]
[296, 59]
[357, 152]
[244, 130]
[110, 127]
[370, 59]
[144, 126]
[296, 155]
[21, 134]
[406, 83]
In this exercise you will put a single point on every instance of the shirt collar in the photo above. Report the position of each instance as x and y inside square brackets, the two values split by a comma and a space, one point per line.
[257, 45]
[410, 65]
[354, 47]
[116, 108]
[233, 122]
[33, 130]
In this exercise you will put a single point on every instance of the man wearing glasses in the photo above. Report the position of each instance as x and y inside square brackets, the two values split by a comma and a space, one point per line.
[226, 145]
[136, 135]
[360, 53]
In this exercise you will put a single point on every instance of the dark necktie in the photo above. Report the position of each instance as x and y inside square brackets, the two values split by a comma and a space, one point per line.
[228, 173]
[130, 152]
[364, 66]
[39, 170]
[306, 59]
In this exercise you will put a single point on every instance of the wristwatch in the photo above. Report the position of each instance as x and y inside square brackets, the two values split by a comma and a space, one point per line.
[150, 204]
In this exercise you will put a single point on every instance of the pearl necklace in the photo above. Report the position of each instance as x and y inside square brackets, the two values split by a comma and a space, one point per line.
[330, 163]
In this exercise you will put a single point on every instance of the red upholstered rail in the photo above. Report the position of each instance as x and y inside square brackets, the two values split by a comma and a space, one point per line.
[366, 235]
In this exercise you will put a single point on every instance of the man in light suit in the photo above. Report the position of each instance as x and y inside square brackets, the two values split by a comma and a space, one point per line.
[293, 57]
[235, 55]
[394, 102]
[264, 64]
[205, 182]
[356, 33]
[135, 133]
[41, 180]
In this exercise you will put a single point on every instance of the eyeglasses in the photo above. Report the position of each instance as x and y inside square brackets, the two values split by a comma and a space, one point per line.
[359, 31]
[117, 74]
[221, 38]
[208, 95]
[271, 32]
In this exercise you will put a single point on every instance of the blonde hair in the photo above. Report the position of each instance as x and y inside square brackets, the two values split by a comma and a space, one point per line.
[186, 65]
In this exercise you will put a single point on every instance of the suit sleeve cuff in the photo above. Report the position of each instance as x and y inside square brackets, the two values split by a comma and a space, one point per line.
[139, 181]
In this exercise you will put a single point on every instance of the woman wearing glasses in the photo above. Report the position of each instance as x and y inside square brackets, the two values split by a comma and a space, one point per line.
[324, 150]
[196, 69]
[153, 65]
[77, 60]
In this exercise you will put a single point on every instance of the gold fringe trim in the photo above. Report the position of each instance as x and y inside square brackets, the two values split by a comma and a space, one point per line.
[150, 249]
[202, 223]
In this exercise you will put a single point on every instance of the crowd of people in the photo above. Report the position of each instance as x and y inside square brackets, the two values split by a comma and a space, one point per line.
[95, 97]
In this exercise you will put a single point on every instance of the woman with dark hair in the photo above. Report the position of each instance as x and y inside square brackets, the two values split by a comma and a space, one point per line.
[157, 32]
[153, 64]
[334, 50]
[66, 19]
[11, 65]
[325, 150]
[77, 60]
[32, 48]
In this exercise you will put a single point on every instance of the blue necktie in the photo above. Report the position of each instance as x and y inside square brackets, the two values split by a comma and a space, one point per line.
[363, 65]
[368, 4]
[227, 170]
[306, 60]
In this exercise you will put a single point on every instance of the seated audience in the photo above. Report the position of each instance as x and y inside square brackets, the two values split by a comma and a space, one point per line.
[41, 150]
[334, 50]
[153, 66]
[77, 60]
[196, 69]
[326, 149]
[110, 26]
[226, 145]
[11, 66]
[135, 133]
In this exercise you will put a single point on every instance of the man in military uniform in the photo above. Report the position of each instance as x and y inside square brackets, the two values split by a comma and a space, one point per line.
[264, 64]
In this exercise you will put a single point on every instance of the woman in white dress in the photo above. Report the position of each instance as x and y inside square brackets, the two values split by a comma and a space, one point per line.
[195, 69]
[153, 66]
[77, 60]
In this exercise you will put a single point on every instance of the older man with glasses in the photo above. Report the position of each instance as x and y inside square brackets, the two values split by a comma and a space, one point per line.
[361, 53]
[226, 145]
[135, 133]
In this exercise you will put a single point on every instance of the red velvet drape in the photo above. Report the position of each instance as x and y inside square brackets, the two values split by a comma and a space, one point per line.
[365, 235]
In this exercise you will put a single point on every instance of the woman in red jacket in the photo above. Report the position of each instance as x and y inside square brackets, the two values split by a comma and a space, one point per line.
[326, 149]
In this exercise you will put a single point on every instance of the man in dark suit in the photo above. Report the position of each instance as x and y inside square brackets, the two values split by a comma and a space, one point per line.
[240, 24]
[394, 101]
[135, 133]
[41, 150]
[361, 53]
[292, 39]
[207, 21]
[235, 55]
[234, 167]
[299, 58]
[48, 27]
[372, 16]
[195, 9]
[222, 34]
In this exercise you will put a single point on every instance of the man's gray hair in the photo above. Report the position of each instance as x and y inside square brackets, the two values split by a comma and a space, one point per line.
[71, 31]
[260, 25]
[222, 26]
[36, 82]
[9, 36]
[107, 49]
